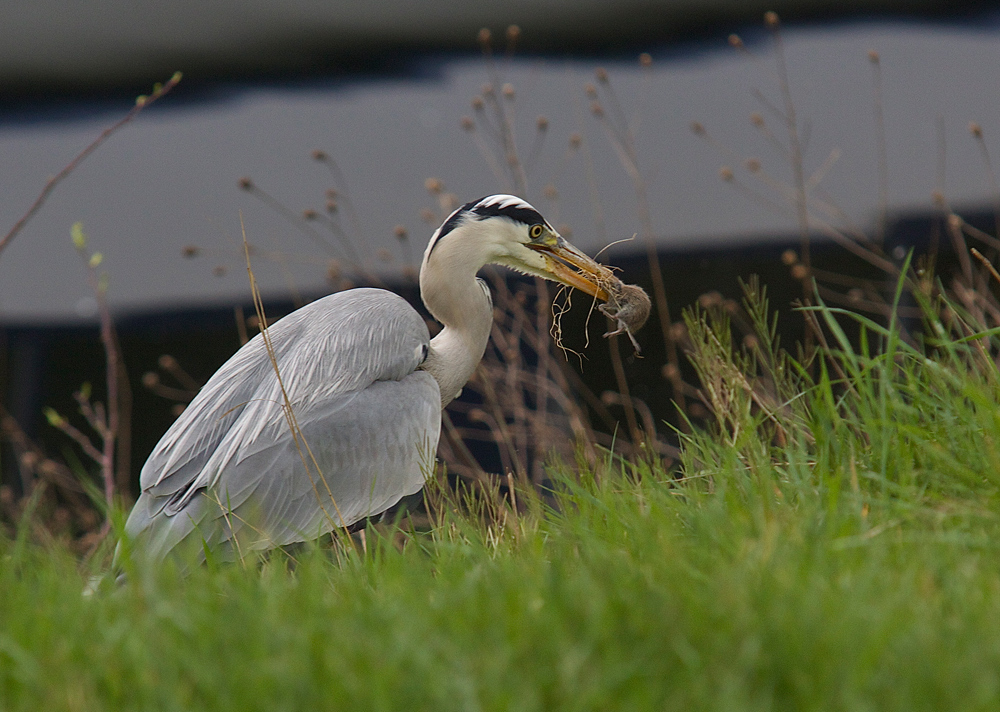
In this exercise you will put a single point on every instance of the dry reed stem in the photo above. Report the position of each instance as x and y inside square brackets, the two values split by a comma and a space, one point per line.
[141, 103]
[878, 100]
[287, 409]
[986, 263]
[622, 140]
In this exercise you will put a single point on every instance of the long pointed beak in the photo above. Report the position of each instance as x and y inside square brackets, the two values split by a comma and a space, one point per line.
[571, 267]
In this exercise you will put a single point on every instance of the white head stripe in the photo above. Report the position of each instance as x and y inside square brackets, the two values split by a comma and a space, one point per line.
[504, 201]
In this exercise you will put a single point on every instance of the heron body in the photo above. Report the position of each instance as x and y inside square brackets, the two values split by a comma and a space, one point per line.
[366, 385]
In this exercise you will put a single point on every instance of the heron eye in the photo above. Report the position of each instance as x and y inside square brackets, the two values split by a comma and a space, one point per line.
[535, 232]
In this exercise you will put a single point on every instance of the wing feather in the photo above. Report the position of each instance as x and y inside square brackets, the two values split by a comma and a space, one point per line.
[229, 465]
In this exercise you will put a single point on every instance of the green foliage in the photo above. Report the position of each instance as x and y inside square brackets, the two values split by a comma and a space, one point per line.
[78, 236]
[831, 543]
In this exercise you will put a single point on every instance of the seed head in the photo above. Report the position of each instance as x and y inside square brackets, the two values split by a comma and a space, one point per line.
[400, 232]
[601, 74]
[245, 183]
[542, 122]
[434, 186]
[484, 37]
[772, 20]
[975, 129]
[698, 128]
[789, 257]
[575, 140]
[757, 119]
[735, 41]
[710, 299]
[319, 155]
[309, 214]
[468, 124]
[508, 90]
[645, 59]
[752, 165]
[190, 251]
[726, 173]
[873, 56]
[590, 90]
[513, 33]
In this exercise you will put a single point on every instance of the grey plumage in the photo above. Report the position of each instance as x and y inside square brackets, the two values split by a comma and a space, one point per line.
[366, 386]
[229, 466]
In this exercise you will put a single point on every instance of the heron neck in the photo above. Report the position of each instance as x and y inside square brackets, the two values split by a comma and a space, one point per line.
[464, 307]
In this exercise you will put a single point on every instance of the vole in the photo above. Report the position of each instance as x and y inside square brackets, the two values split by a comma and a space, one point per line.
[629, 306]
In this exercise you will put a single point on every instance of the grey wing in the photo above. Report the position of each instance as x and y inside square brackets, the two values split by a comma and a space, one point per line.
[230, 465]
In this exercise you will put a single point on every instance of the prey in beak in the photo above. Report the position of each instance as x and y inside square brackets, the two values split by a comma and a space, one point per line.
[626, 304]
[571, 267]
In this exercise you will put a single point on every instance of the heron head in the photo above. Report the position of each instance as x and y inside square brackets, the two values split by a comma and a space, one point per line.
[505, 230]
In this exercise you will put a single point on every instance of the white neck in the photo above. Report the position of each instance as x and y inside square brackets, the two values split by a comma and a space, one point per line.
[463, 305]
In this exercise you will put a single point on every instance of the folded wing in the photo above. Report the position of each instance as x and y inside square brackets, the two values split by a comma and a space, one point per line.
[230, 472]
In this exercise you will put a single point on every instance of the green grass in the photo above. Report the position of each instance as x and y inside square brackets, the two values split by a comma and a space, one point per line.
[832, 544]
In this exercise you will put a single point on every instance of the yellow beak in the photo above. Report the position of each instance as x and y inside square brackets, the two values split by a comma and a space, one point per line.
[571, 267]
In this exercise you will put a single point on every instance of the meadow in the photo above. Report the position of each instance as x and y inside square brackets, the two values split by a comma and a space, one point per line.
[833, 548]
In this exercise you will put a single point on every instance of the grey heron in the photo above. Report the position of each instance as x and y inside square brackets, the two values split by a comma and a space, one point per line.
[366, 385]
